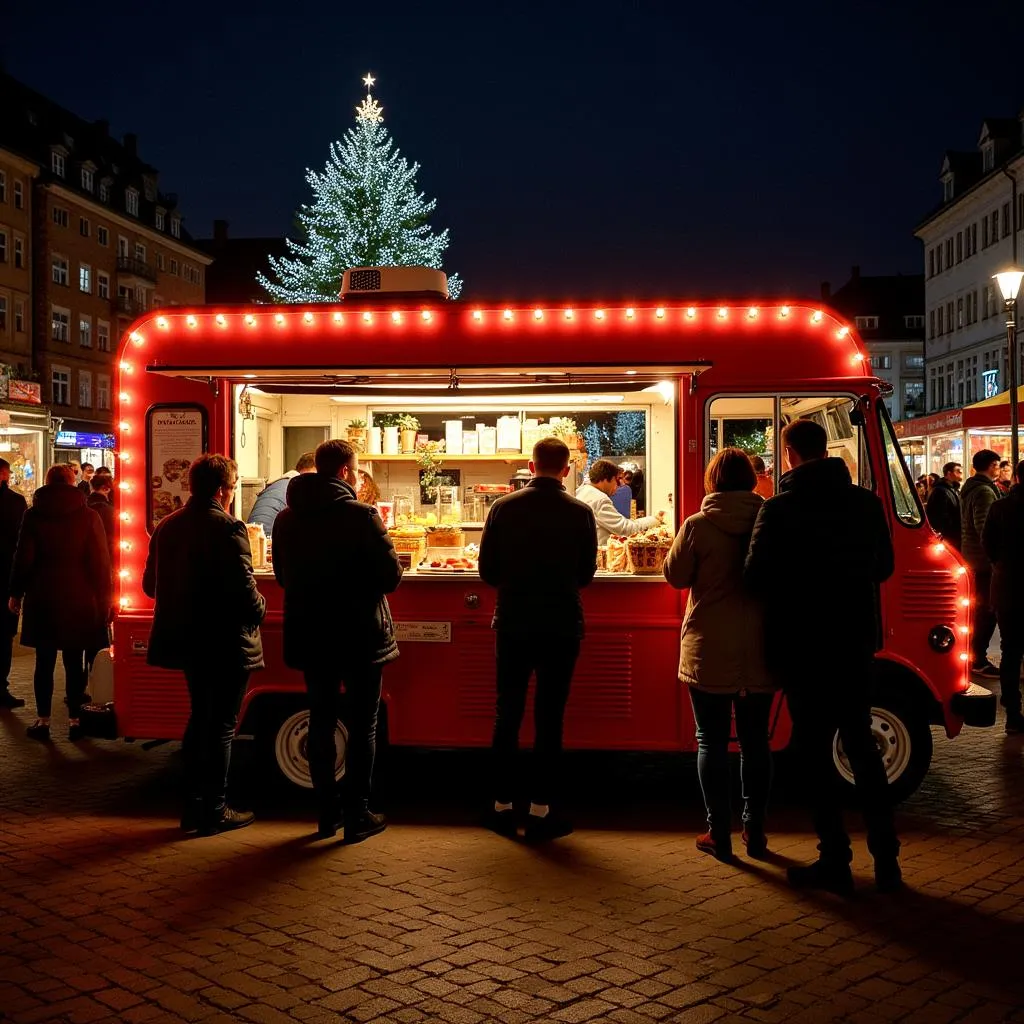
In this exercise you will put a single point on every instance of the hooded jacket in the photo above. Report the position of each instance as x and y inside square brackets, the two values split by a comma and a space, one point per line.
[977, 496]
[1003, 540]
[944, 512]
[208, 608]
[610, 522]
[336, 562]
[62, 570]
[721, 647]
[271, 502]
[819, 551]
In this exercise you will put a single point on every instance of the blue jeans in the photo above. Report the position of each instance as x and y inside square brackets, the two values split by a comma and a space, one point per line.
[713, 714]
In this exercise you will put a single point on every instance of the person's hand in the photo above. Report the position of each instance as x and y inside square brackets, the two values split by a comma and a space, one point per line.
[14, 605]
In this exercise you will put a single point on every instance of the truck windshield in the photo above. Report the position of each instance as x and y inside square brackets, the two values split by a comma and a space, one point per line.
[904, 494]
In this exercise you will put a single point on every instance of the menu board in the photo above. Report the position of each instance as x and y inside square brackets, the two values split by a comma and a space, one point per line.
[176, 436]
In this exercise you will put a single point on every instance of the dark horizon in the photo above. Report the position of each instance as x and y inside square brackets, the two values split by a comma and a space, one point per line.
[599, 151]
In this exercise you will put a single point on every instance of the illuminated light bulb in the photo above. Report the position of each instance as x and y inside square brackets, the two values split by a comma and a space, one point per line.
[477, 315]
[842, 332]
[279, 319]
[125, 603]
[965, 630]
[691, 312]
[161, 322]
[817, 316]
[337, 318]
[722, 312]
[507, 314]
[666, 389]
[136, 338]
[937, 549]
[538, 314]
[569, 314]
[248, 376]
[124, 427]
[631, 373]
[784, 312]
[660, 312]
[368, 318]
[961, 571]
[859, 357]
[752, 312]
[396, 317]
[250, 319]
[124, 486]
[126, 545]
[127, 367]
[630, 313]
[964, 656]
[965, 602]
[191, 321]
[124, 397]
[308, 317]
[124, 574]
[426, 314]
[126, 517]
[598, 314]
[222, 320]
[126, 456]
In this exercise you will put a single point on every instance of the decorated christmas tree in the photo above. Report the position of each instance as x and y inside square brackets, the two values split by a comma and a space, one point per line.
[366, 212]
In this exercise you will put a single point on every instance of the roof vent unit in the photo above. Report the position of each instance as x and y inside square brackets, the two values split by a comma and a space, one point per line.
[386, 284]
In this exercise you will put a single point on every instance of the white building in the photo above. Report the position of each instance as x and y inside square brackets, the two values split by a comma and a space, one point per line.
[974, 233]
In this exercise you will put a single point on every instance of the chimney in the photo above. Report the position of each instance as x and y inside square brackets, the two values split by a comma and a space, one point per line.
[826, 290]
[131, 141]
[220, 231]
[855, 272]
[102, 128]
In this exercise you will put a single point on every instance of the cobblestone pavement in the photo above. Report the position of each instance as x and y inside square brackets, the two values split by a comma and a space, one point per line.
[107, 914]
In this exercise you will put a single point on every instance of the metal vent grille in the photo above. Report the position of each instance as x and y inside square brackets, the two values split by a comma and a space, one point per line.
[929, 597]
[364, 281]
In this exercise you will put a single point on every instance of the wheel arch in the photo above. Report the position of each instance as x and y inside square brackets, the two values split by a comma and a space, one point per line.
[895, 677]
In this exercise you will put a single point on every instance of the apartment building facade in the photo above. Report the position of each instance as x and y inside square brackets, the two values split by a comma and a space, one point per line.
[106, 246]
[973, 234]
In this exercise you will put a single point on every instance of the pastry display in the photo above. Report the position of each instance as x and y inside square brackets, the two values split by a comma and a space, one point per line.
[648, 549]
[616, 557]
[447, 536]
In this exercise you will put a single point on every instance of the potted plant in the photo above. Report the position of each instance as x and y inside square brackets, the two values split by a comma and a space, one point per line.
[356, 432]
[387, 422]
[429, 460]
[407, 426]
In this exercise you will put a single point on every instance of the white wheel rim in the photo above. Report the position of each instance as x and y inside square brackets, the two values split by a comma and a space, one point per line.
[891, 736]
[290, 749]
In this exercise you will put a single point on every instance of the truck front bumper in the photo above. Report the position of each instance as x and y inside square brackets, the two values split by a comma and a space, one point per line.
[976, 705]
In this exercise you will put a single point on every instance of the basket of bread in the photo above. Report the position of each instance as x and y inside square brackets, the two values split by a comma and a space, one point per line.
[616, 558]
[646, 551]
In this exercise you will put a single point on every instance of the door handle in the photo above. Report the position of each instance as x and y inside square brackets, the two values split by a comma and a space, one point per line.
[472, 600]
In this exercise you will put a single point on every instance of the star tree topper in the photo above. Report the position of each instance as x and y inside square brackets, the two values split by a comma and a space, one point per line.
[369, 110]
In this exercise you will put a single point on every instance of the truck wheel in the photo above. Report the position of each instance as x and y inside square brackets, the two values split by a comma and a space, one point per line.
[904, 740]
[290, 749]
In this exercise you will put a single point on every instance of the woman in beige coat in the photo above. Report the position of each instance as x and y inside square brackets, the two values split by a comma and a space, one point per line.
[721, 651]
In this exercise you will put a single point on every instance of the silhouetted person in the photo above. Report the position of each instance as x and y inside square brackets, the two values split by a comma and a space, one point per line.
[271, 501]
[944, 505]
[12, 511]
[977, 497]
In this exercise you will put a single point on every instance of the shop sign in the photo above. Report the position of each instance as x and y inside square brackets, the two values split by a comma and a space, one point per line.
[423, 632]
[991, 382]
[176, 436]
[935, 423]
[73, 439]
[25, 391]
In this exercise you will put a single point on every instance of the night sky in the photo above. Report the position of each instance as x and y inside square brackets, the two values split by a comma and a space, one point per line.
[576, 149]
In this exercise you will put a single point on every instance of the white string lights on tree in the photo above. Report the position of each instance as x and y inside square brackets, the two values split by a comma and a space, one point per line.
[366, 212]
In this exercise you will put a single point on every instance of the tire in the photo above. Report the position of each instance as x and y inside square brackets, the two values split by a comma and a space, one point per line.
[289, 748]
[904, 739]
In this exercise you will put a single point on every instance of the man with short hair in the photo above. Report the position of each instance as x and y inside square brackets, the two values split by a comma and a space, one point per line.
[1003, 539]
[943, 506]
[336, 563]
[604, 482]
[539, 548]
[977, 497]
[206, 622]
[12, 511]
[87, 474]
[828, 540]
[274, 497]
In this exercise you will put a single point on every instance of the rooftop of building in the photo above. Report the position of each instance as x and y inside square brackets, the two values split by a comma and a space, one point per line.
[890, 297]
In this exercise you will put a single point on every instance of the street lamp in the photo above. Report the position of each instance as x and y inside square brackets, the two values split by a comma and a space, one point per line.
[1009, 284]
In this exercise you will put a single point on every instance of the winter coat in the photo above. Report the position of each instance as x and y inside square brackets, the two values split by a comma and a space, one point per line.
[610, 522]
[722, 642]
[943, 510]
[539, 548]
[270, 502]
[208, 609]
[336, 562]
[62, 571]
[1003, 540]
[12, 511]
[819, 551]
[103, 507]
[977, 497]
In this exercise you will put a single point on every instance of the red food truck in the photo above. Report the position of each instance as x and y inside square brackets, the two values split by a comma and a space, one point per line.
[401, 370]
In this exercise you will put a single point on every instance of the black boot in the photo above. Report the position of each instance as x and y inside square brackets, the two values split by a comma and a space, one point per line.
[361, 824]
[837, 878]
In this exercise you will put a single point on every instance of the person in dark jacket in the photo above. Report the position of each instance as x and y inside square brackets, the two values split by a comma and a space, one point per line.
[818, 553]
[61, 578]
[101, 500]
[539, 548]
[943, 507]
[336, 563]
[85, 484]
[1003, 539]
[206, 622]
[12, 511]
[271, 501]
[977, 498]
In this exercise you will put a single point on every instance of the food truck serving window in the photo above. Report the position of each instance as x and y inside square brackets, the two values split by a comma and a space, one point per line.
[904, 494]
[175, 435]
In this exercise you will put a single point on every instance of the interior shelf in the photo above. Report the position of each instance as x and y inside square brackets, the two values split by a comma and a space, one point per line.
[446, 458]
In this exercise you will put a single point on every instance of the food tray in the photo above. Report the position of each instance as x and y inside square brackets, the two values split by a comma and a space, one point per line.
[428, 570]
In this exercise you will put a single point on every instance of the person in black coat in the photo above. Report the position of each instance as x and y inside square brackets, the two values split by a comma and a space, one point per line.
[61, 578]
[1003, 538]
[100, 500]
[336, 563]
[206, 622]
[818, 553]
[12, 511]
[539, 548]
[944, 505]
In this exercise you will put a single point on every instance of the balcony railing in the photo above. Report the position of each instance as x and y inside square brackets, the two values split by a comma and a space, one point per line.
[129, 306]
[135, 267]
